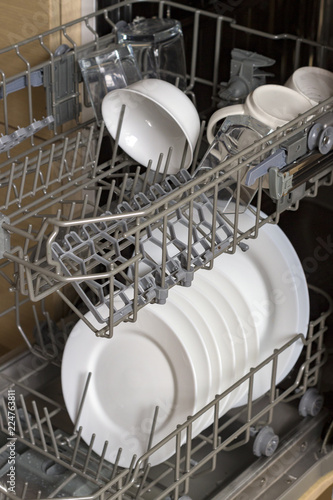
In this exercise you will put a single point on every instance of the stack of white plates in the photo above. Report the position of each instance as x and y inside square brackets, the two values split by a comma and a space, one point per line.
[178, 356]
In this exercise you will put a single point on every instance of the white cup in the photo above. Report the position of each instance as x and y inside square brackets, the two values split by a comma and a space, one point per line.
[158, 116]
[312, 82]
[235, 135]
[272, 105]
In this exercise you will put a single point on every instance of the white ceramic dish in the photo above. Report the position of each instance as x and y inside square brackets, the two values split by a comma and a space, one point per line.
[230, 286]
[270, 278]
[195, 305]
[157, 116]
[224, 320]
[178, 313]
[265, 275]
[247, 336]
[235, 281]
[281, 312]
[273, 105]
[160, 360]
[163, 359]
[211, 303]
[233, 309]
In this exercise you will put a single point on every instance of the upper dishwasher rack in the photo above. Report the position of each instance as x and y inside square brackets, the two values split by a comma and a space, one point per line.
[70, 218]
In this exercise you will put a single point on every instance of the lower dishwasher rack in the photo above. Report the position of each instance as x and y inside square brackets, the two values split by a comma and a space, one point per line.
[58, 190]
[52, 461]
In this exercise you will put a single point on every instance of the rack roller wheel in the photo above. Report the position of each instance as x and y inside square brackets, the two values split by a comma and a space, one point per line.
[266, 442]
[311, 403]
[325, 142]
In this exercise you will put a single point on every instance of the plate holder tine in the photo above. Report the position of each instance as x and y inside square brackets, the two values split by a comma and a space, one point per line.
[83, 398]
[152, 431]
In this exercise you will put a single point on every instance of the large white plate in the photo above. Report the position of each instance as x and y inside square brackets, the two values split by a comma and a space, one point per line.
[234, 311]
[160, 360]
[226, 294]
[206, 300]
[242, 286]
[271, 279]
[196, 339]
[195, 306]
[281, 310]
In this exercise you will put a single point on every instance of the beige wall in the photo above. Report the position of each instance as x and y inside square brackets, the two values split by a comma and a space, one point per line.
[23, 19]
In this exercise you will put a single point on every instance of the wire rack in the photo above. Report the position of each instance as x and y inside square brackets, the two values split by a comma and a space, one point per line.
[75, 226]
[61, 205]
[61, 456]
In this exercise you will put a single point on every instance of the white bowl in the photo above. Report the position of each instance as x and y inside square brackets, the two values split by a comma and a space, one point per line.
[158, 116]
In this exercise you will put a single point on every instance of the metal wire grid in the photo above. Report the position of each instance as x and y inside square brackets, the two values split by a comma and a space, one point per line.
[92, 253]
[39, 437]
[38, 429]
[63, 172]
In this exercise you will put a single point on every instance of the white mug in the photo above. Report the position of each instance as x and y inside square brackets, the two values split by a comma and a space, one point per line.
[272, 105]
[312, 82]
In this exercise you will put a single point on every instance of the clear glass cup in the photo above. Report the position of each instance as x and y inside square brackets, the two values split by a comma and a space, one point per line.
[237, 133]
[158, 45]
[107, 69]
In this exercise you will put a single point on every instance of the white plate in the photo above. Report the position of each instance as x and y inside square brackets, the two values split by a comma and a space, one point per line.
[282, 311]
[270, 277]
[242, 285]
[148, 363]
[182, 315]
[196, 306]
[235, 368]
[235, 285]
[161, 360]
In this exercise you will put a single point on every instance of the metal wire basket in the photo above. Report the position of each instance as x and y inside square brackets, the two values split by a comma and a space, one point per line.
[73, 225]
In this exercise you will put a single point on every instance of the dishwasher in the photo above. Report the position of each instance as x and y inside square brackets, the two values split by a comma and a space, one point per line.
[75, 212]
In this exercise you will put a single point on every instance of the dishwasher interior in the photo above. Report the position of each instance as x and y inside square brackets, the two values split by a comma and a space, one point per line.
[74, 212]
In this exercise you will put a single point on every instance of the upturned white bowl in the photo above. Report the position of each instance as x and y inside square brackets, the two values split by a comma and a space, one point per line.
[158, 118]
